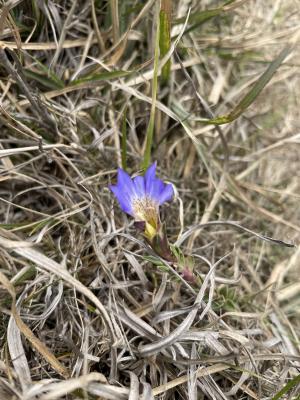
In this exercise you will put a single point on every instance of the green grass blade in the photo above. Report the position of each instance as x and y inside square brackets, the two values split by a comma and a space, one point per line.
[199, 18]
[165, 38]
[43, 75]
[254, 92]
[290, 385]
[150, 129]
[260, 84]
[124, 141]
[103, 76]
[46, 81]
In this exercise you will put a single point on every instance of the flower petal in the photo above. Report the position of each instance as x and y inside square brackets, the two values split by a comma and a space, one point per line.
[124, 191]
[125, 181]
[166, 194]
[150, 179]
[123, 198]
[150, 173]
[153, 185]
[139, 186]
[125, 184]
[155, 189]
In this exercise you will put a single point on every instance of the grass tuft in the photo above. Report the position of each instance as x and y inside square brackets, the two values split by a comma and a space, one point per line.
[88, 310]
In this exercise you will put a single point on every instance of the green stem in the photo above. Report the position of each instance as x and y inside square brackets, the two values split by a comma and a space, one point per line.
[150, 129]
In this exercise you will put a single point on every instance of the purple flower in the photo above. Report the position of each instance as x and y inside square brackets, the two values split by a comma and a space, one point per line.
[141, 197]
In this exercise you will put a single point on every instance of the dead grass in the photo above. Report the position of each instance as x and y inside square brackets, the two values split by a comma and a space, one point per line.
[88, 310]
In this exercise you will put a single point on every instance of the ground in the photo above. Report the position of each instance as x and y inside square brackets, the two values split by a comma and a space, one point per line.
[208, 90]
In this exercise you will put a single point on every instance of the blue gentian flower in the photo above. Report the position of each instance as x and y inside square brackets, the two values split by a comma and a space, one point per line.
[141, 197]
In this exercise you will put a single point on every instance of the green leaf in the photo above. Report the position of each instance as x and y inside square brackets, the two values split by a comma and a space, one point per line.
[199, 18]
[46, 81]
[155, 261]
[103, 76]
[150, 128]
[43, 75]
[164, 44]
[27, 274]
[290, 385]
[253, 93]
[124, 141]
[13, 226]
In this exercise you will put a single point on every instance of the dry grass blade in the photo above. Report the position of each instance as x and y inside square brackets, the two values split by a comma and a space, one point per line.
[67, 44]
[234, 225]
[134, 387]
[9, 152]
[51, 266]
[57, 389]
[34, 341]
[38, 107]
[200, 372]
[63, 34]
[153, 348]
[17, 353]
[89, 309]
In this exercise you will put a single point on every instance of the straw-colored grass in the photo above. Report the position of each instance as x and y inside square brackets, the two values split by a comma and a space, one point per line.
[89, 311]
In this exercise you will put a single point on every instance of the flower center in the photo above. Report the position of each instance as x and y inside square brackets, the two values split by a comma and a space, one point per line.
[146, 209]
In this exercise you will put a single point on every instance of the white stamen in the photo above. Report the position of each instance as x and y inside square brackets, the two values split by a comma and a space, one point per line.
[145, 209]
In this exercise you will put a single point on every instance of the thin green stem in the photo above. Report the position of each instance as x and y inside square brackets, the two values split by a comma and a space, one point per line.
[150, 129]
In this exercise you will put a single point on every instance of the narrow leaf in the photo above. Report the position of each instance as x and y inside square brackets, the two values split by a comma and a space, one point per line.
[150, 129]
[103, 76]
[199, 18]
[165, 38]
[44, 80]
[290, 385]
[124, 141]
[253, 93]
